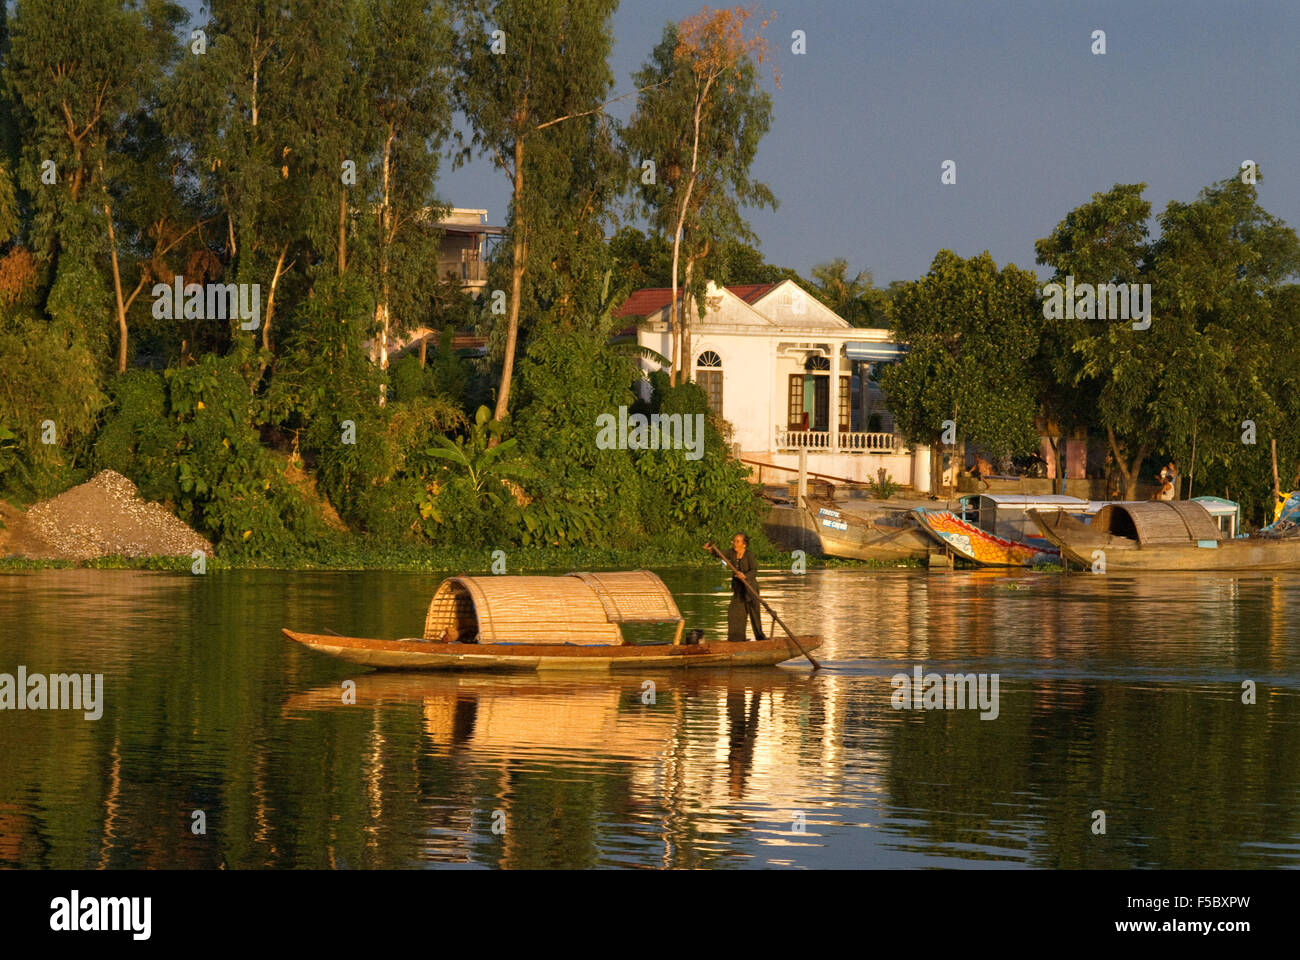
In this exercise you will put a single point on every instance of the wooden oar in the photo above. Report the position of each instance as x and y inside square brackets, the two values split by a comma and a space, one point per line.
[750, 587]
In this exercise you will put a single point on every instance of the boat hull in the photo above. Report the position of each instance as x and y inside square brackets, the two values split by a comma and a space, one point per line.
[978, 546]
[1085, 548]
[853, 537]
[432, 655]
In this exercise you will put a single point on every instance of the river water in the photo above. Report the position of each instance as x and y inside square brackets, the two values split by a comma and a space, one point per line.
[1119, 706]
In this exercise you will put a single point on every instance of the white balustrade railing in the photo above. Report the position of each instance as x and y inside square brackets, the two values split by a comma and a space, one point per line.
[869, 442]
[856, 442]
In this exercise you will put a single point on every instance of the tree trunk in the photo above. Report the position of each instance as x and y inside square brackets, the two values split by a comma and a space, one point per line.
[1058, 468]
[270, 299]
[688, 307]
[674, 318]
[382, 315]
[1277, 489]
[519, 254]
[343, 232]
[688, 365]
[1128, 469]
[121, 307]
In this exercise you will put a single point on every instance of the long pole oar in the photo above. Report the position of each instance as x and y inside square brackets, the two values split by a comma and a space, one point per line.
[750, 587]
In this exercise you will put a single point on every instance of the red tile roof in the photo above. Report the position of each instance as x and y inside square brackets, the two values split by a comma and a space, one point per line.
[644, 302]
[650, 300]
[751, 292]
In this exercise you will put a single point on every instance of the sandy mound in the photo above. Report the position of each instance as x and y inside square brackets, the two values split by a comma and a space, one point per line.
[102, 516]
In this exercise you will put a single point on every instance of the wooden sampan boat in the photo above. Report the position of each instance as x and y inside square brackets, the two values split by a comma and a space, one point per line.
[1164, 535]
[570, 622]
[887, 536]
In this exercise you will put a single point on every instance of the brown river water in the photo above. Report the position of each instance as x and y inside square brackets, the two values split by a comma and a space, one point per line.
[1119, 704]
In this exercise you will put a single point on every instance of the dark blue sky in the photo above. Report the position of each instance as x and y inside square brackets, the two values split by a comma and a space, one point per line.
[1010, 91]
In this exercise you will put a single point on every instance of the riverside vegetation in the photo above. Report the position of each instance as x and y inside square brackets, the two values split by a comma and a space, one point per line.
[309, 168]
[300, 153]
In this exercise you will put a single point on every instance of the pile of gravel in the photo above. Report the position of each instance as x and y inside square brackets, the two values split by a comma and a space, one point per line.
[106, 516]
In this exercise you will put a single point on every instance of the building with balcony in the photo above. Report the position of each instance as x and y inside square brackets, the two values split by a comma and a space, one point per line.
[790, 375]
[466, 246]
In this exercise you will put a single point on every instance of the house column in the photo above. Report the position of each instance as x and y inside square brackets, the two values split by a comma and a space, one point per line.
[834, 416]
[777, 395]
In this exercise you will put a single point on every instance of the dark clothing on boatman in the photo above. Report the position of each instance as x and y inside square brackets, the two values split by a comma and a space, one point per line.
[743, 604]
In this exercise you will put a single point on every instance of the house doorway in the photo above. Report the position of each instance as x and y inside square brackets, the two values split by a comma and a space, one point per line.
[817, 393]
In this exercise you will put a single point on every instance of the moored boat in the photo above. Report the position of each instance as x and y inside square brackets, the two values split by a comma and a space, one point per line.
[1166, 535]
[571, 622]
[891, 535]
[995, 530]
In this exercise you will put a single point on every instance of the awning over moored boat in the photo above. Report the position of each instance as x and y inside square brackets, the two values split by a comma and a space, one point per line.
[1158, 522]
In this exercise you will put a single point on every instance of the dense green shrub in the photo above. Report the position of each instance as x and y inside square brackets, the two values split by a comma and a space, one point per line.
[471, 498]
[138, 439]
[230, 484]
[50, 389]
[694, 500]
[582, 495]
[618, 498]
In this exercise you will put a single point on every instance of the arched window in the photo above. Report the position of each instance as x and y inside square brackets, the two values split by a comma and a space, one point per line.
[817, 363]
[708, 374]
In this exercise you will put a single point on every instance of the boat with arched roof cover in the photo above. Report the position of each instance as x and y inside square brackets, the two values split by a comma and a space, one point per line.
[570, 622]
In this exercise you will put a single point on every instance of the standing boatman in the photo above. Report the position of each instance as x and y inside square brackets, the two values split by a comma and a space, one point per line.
[743, 603]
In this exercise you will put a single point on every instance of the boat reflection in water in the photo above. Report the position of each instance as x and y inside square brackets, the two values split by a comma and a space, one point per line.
[677, 753]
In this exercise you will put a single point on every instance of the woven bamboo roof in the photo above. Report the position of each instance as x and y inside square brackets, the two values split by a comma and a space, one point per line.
[581, 608]
[1158, 522]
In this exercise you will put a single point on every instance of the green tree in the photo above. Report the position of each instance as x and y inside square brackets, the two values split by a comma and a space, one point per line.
[858, 300]
[526, 66]
[699, 117]
[1216, 273]
[971, 331]
[79, 91]
[1100, 364]
[405, 90]
[1219, 276]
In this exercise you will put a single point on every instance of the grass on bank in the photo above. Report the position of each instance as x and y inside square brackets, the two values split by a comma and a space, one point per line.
[363, 554]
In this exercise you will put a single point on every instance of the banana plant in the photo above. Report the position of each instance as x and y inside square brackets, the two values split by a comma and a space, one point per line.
[485, 467]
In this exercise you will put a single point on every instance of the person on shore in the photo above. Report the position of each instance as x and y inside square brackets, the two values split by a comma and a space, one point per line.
[743, 603]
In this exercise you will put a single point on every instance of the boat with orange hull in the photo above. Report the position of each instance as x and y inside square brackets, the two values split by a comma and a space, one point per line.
[994, 529]
[573, 622]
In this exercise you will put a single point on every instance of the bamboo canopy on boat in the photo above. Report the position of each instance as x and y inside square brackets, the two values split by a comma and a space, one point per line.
[1158, 522]
[580, 608]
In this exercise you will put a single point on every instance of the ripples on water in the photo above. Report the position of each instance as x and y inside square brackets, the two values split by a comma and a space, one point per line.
[1122, 695]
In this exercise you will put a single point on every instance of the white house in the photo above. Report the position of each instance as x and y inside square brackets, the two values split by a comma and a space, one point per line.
[789, 374]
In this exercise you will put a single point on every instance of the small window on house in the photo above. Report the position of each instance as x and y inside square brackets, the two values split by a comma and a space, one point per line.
[708, 374]
[817, 363]
[846, 410]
